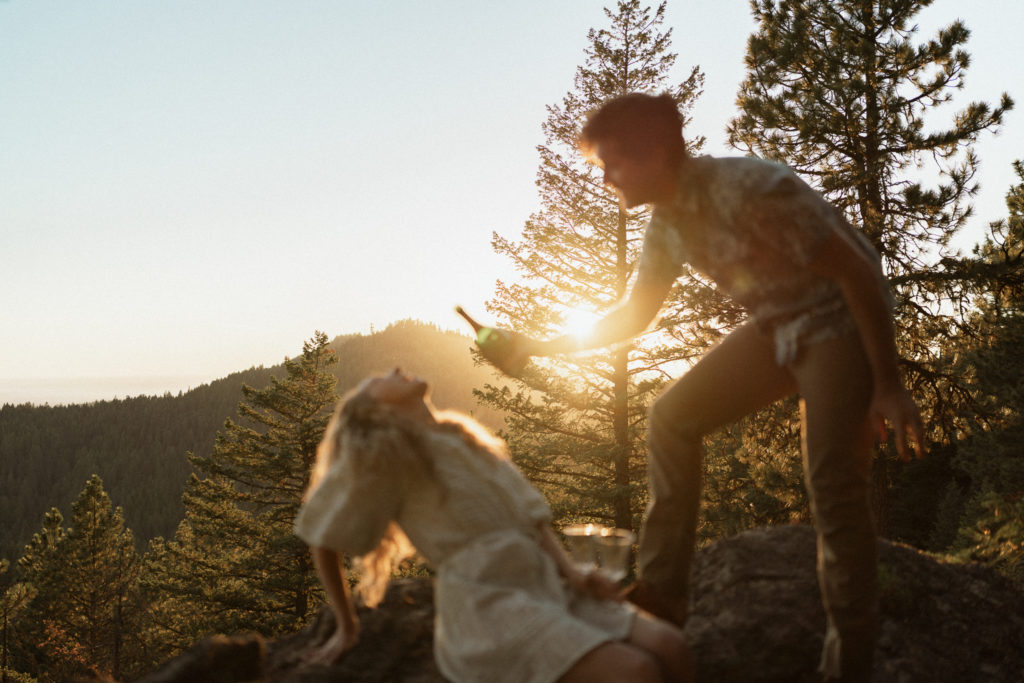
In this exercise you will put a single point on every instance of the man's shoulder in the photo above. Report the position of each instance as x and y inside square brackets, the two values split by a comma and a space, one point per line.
[728, 182]
[748, 167]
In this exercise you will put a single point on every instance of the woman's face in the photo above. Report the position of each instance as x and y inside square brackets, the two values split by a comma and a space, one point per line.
[398, 391]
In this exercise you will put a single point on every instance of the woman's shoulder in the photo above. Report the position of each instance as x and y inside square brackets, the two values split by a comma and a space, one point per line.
[470, 434]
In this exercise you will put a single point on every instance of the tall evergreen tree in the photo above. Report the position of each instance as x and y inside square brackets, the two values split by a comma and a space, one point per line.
[14, 597]
[39, 565]
[989, 509]
[234, 564]
[102, 567]
[576, 424]
[995, 361]
[86, 609]
[839, 91]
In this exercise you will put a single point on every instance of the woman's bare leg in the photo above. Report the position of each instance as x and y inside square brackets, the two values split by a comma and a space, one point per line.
[667, 643]
[615, 662]
[655, 651]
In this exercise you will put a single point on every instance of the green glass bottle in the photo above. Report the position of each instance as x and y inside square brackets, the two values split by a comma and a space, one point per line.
[495, 344]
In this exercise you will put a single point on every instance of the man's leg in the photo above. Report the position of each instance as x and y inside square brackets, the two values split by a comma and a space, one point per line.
[835, 387]
[735, 378]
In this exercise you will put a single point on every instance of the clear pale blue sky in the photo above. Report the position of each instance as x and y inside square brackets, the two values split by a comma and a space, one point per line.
[191, 188]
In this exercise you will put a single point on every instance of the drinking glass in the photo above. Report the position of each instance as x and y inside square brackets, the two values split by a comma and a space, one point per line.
[614, 548]
[580, 539]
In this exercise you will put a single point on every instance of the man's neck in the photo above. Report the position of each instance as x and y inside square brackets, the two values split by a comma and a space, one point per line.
[666, 192]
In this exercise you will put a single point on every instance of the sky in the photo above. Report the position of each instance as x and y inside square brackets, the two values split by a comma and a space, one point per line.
[191, 188]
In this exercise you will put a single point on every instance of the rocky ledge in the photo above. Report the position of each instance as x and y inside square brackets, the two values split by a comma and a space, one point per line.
[756, 615]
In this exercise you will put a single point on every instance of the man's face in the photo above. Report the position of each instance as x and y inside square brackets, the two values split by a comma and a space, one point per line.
[637, 178]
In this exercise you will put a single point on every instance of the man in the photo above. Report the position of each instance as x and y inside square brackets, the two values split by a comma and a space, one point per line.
[820, 324]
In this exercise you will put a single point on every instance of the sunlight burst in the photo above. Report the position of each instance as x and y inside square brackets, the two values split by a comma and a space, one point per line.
[579, 323]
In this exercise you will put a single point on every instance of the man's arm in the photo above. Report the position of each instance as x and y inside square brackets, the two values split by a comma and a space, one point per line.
[624, 322]
[861, 281]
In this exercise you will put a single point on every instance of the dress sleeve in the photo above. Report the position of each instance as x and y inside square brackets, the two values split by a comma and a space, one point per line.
[349, 514]
[528, 499]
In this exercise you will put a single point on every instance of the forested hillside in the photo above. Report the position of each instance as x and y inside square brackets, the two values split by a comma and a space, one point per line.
[139, 445]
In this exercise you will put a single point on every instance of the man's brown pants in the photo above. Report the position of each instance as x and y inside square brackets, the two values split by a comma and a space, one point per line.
[737, 377]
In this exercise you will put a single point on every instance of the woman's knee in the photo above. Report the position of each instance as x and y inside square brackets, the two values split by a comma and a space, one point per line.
[667, 644]
[639, 665]
[673, 649]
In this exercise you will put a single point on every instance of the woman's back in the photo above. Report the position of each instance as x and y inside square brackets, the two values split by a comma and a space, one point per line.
[468, 494]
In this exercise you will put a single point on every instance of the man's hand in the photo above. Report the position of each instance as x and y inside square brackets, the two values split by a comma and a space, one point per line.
[343, 639]
[512, 355]
[898, 408]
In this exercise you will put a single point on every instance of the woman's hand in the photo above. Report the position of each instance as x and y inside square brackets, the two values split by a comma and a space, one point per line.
[343, 639]
[595, 584]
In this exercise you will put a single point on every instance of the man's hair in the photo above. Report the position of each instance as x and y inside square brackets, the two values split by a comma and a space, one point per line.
[640, 122]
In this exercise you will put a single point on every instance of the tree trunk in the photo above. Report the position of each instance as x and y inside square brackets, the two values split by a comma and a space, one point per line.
[3, 667]
[620, 425]
[870, 194]
[620, 381]
[880, 491]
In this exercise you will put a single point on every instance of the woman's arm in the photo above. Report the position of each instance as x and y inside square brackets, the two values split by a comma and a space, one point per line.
[591, 583]
[332, 575]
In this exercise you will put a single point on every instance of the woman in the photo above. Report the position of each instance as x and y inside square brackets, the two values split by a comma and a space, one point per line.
[392, 470]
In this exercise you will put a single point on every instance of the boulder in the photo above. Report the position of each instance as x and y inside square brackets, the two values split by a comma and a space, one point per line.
[755, 615]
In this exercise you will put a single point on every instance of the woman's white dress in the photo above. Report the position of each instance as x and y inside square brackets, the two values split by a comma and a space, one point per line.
[503, 611]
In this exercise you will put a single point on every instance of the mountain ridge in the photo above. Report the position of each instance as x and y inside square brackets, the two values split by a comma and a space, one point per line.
[139, 445]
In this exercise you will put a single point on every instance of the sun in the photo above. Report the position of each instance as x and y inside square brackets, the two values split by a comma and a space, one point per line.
[579, 323]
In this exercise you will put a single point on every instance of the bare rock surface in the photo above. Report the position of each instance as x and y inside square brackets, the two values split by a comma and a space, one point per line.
[396, 642]
[756, 615]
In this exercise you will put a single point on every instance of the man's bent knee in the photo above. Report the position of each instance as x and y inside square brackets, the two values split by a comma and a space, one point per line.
[674, 421]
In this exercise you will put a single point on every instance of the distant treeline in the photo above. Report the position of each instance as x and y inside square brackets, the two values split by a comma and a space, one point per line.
[139, 445]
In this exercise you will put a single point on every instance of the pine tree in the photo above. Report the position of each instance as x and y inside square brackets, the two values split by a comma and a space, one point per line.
[86, 609]
[100, 559]
[991, 506]
[575, 424]
[14, 597]
[753, 474]
[39, 566]
[995, 361]
[234, 564]
[839, 91]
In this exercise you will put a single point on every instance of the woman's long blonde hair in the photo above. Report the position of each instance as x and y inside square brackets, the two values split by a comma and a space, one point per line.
[369, 438]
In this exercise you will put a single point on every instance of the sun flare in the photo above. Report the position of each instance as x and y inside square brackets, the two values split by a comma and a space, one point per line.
[579, 323]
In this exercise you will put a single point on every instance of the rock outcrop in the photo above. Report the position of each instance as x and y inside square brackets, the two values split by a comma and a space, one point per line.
[756, 615]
